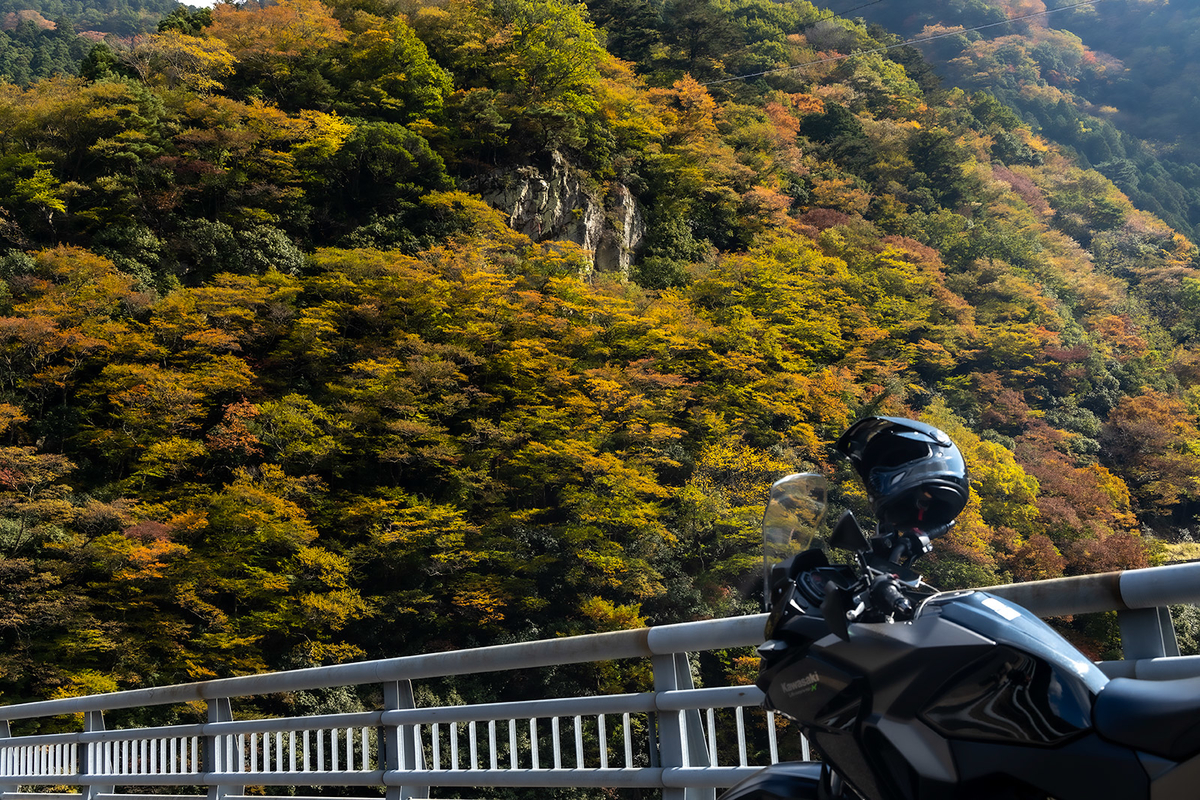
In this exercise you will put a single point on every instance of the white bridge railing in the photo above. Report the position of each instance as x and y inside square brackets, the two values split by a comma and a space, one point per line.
[681, 740]
[677, 738]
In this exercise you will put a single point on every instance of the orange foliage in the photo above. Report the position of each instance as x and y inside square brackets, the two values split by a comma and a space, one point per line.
[1120, 336]
[282, 29]
[807, 104]
[1036, 560]
[842, 194]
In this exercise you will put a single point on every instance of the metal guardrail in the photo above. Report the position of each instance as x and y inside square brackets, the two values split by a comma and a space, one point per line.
[673, 738]
[665, 739]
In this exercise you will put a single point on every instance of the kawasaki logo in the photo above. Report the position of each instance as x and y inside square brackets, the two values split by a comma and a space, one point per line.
[809, 682]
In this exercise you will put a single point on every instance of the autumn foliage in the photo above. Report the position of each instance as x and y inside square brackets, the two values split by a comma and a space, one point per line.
[277, 389]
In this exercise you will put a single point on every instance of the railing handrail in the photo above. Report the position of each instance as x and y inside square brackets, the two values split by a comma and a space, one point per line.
[1127, 589]
[1149, 587]
[639, 643]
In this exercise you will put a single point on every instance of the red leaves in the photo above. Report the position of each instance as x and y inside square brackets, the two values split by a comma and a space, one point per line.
[148, 531]
[1037, 559]
[232, 436]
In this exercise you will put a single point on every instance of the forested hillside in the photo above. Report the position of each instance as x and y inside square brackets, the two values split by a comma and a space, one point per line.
[122, 17]
[1113, 81]
[279, 387]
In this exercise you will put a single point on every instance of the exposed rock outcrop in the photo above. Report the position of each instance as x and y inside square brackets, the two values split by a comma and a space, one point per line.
[554, 203]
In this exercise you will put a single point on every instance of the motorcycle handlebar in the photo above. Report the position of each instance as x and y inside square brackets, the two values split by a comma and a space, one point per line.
[887, 595]
[939, 531]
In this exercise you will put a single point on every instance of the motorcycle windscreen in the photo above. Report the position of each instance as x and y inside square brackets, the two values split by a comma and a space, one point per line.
[791, 520]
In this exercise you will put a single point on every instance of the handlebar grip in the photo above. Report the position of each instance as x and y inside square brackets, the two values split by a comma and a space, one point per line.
[894, 599]
[940, 530]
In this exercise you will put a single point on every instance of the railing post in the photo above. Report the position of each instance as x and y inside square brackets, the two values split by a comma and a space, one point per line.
[6, 733]
[91, 756]
[219, 710]
[681, 734]
[1147, 633]
[401, 747]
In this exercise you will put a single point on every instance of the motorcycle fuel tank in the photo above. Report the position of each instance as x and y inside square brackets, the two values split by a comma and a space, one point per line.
[1032, 689]
[1011, 625]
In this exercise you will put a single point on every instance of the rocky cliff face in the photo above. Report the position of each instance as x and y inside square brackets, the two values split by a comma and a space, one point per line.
[553, 203]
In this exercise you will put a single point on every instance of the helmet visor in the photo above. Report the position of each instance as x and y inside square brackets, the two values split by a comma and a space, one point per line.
[942, 463]
[926, 493]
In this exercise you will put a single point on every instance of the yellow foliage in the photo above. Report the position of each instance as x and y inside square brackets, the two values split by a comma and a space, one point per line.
[322, 135]
[329, 568]
[332, 610]
[330, 652]
[743, 671]
[482, 604]
[85, 683]
[840, 193]
[11, 415]
[168, 457]
[178, 60]
[477, 219]
[745, 472]
[1115, 488]
[626, 106]
[188, 522]
[1179, 552]
[282, 29]
[609, 616]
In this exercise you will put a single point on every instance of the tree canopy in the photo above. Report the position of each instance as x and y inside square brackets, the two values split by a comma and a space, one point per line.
[276, 388]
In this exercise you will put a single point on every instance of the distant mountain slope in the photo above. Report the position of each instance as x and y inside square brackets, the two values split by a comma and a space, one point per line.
[44, 38]
[1114, 81]
[1157, 94]
[122, 17]
[35, 48]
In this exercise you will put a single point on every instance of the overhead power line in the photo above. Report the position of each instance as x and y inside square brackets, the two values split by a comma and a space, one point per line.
[922, 40]
[830, 13]
[848, 10]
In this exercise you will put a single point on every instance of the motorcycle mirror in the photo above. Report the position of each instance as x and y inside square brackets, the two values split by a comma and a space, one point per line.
[848, 534]
[834, 610]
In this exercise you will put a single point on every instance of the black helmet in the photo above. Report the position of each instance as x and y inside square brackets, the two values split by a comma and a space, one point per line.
[914, 475]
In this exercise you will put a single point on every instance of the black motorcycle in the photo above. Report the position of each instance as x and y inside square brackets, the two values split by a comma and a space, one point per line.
[910, 694]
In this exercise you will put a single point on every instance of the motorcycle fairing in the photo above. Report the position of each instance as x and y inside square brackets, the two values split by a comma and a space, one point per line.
[928, 753]
[814, 690]
[1009, 696]
[842, 750]
[915, 719]
[1012, 625]
[1086, 767]
[1172, 781]
[968, 697]
[788, 780]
